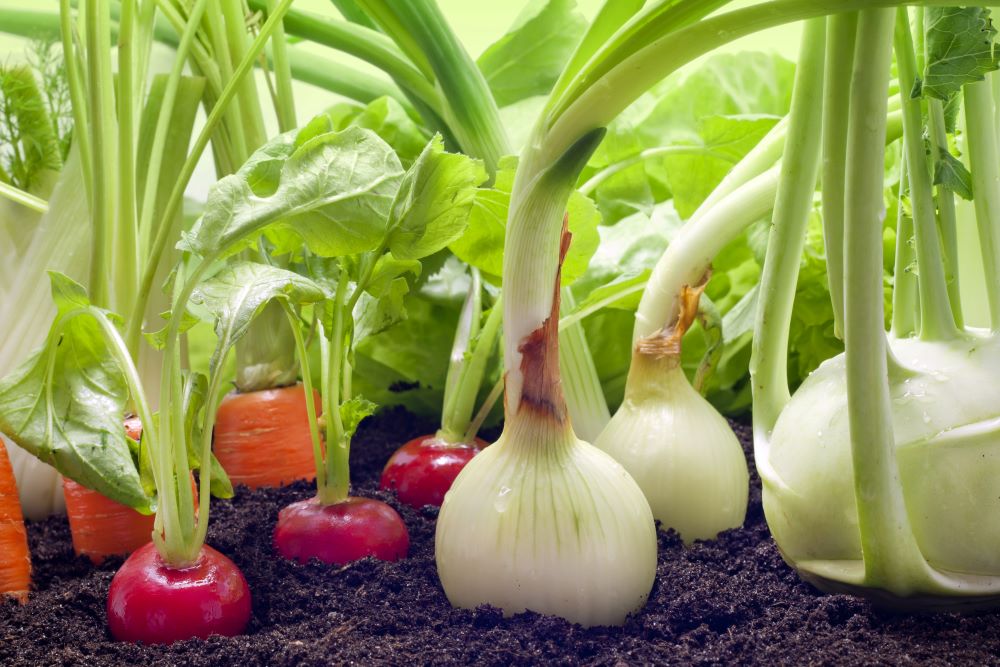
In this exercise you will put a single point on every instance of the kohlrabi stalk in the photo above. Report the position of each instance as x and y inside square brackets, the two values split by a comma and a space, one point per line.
[845, 461]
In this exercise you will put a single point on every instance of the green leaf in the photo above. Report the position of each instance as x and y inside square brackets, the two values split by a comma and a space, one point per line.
[951, 174]
[334, 190]
[66, 404]
[722, 142]
[386, 270]
[194, 402]
[386, 118]
[482, 244]
[352, 413]
[528, 60]
[433, 203]
[373, 315]
[959, 46]
[238, 293]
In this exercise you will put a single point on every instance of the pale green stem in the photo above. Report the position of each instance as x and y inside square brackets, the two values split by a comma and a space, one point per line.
[890, 553]
[307, 386]
[839, 65]
[585, 400]
[905, 304]
[149, 198]
[285, 104]
[338, 476]
[177, 196]
[984, 156]
[689, 255]
[102, 133]
[249, 100]
[126, 242]
[649, 154]
[947, 220]
[792, 207]
[456, 422]
[78, 96]
[936, 319]
[26, 199]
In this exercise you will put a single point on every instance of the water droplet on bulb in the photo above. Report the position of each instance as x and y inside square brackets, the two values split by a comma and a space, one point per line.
[503, 499]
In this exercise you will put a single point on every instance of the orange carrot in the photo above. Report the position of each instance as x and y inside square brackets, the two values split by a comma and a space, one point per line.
[100, 527]
[15, 561]
[262, 437]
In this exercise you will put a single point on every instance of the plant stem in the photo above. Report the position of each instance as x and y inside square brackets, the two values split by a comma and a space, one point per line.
[177, 196]
[26, 199]
[936, 319]
[888, 547]
[307, 385]
[648, 154]
[369, 45]
[338, 477]
[792, 206]
[905, 304]
[585, 400]
[984, 157]
[421, 31]
[839, 64]
[690, 254]
[126, 243]
[455, 423]
[285, 103]
[947, 220]
[102, 122]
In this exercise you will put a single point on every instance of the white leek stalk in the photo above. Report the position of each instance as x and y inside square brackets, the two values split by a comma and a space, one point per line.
[676, 445]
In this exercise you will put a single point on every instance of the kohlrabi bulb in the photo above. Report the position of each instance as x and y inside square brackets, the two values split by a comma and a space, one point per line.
[946, 420]
[545, 522]
[680, 450]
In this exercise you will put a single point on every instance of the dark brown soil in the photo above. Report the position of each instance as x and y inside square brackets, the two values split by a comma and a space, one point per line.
[732, 601]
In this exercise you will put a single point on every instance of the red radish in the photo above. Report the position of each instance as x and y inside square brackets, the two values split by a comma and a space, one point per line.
[422, 470]
[151, 602]
[342, 532]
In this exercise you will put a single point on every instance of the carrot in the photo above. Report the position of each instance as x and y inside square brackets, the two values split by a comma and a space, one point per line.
[100, 527]
[15, 561]
[262, 437]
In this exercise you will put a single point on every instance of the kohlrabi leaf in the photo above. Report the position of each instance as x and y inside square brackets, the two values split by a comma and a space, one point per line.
[240, 291]
[959, 45]
[528, 60]
[334, 190]
[66, 404]
[723, 141]
[482, 244]
[386, 118]
[951, 174]
[433, 203]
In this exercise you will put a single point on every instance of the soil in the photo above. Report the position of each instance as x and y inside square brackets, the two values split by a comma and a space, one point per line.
[731, 601]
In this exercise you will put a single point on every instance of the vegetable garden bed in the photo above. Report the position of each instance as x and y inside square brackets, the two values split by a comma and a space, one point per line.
[724, 602]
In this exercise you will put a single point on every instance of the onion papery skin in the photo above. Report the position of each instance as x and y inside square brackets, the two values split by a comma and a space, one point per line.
[680, 451]
[545, 522]
[946, 420]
